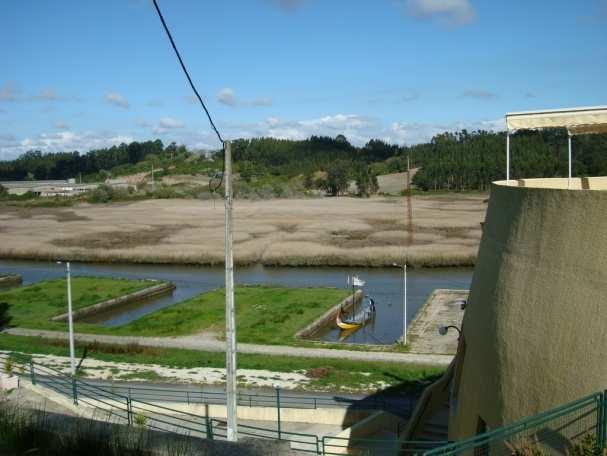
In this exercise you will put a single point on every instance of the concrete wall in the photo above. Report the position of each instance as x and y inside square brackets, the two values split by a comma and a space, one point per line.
[328, 318]
[146, 293]
[534, 327]
[10, 280]
[329, 416]
[344, 442]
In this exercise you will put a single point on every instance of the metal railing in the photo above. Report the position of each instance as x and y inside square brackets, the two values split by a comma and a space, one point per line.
[570, 428]
[403, 405]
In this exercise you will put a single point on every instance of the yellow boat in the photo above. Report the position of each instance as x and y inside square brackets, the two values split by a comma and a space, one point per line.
[345, 324]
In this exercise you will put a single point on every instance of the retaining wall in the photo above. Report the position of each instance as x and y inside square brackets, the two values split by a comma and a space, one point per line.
[155, 290]
[10, 279]
[329, 416]
[329, 316]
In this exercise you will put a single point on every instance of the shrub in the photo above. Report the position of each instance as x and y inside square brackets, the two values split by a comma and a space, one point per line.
[140, 420]
[8, 366]
[101, 194]
[5, 319]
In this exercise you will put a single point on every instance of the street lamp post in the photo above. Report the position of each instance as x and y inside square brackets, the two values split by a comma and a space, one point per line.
[277, 389]
[70, 320]
[443, 330]
[404, 266]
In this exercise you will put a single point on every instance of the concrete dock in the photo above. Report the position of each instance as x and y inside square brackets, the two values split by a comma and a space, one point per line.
[442, 308]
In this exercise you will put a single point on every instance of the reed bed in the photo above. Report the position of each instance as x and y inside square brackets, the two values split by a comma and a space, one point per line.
[444, 231]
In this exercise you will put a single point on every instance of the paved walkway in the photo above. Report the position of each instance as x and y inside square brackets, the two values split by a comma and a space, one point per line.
[205, 344]
[442, 308]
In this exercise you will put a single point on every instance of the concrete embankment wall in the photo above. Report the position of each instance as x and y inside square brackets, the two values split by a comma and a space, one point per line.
[534, 329]
[146, 293]
[329, 316]
[10, 279]
[328, 416]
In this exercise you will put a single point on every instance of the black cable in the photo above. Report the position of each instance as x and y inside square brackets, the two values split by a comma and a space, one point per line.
[187, 75]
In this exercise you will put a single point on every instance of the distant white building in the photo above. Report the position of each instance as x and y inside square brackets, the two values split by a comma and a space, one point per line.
[47, 188]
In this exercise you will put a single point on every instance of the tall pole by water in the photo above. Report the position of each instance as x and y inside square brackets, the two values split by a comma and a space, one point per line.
[405, 304]
[70, 318]
[232, 433]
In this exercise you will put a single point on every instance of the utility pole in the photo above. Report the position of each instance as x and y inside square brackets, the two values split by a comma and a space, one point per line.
[232, 433]
[409, 205]
[404, 266]
[405, 303]
[70, 319]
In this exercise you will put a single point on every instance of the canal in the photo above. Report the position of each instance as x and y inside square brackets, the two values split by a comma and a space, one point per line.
[385, 285]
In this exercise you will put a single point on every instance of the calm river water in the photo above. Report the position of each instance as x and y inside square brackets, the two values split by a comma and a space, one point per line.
[385, 285]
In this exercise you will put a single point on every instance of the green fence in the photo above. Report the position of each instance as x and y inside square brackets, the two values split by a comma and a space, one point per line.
[576, 428]
[579, 427]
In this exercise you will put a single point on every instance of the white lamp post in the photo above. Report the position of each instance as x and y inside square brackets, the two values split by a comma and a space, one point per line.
[404, 266]
[69, 316]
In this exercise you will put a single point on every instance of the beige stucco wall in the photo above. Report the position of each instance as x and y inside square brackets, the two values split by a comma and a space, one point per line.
[535, 326]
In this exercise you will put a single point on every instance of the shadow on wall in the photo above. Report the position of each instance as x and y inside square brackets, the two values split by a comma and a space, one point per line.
[378, 433]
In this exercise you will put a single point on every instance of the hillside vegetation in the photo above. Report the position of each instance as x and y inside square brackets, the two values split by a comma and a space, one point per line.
[269, 167]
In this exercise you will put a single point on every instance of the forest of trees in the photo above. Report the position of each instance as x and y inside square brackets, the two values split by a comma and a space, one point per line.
[451, 161]
[471, 161]
[63, 165]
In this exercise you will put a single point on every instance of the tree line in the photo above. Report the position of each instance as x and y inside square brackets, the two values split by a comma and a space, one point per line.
[458, 161]
[472, 160]
[62, 165]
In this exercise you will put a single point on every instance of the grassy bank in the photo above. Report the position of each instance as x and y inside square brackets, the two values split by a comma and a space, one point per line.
[326, 373]
[266, 314]
[34, 305]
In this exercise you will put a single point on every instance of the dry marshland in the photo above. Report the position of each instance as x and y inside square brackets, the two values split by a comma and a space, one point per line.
[331, 231]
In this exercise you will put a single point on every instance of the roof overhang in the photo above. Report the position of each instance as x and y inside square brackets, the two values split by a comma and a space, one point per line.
[577, 121]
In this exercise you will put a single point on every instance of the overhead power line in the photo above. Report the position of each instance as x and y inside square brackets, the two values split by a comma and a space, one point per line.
[185, 70]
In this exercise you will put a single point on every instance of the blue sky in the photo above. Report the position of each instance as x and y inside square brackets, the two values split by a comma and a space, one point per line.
[82, 74]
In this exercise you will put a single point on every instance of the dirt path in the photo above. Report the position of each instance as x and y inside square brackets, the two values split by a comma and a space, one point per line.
[205, 344]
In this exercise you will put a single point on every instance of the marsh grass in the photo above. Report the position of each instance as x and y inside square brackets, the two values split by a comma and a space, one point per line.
[296, 232]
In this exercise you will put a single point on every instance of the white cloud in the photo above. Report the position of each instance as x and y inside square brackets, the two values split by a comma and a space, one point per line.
[261, 101]
[46, 95]
[415, 133]
[167, 123]
[448, 12]
[155, 103]
[288, 5]
[7, 137]
[116, 99]
[357, 129]
[478, 94]
[62, 141]
[9, 92]
[227, 97]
